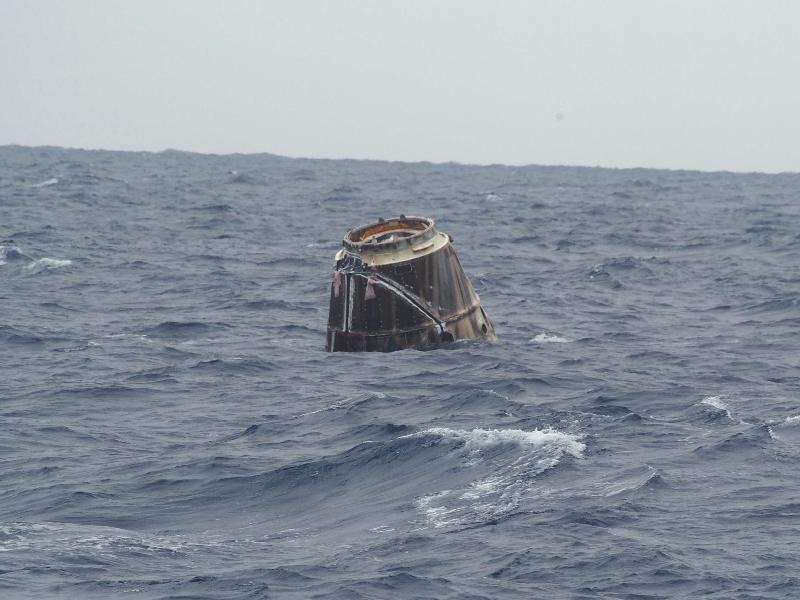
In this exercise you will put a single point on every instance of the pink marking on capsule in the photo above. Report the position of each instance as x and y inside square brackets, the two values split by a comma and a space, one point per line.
[369, 294]
[337, 282]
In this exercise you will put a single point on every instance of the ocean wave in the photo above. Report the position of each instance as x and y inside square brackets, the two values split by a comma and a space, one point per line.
[102, 542]
[774, 305]
[606, 408]
[718, 405]
[513, 458]
[477, 439]
[274, 304]
[47, 264]
[786, 431]
[599, 273]
[548, 338]
[235, 364]
[178, 329]
[468, 476]
[129, 336]
[210, 431]
[10, 253]
[632, 267]
[716, 402]
[215, 208]
[13, 335]
[46, 183]
[647, 479]
[753, 439]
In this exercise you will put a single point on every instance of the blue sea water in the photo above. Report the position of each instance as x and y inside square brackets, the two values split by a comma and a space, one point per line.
[171, 427]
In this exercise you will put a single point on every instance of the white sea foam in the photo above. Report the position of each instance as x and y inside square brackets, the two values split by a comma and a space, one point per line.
[97, 539]
[477, 439]
[786, 430]
[133, 336]
[505, 463]
[9, 252]
[547, 338]
[714, 401]
[47, 183]
[111, 542]
[718, 403]
[382, 529]
[47, 264]
[345, 402]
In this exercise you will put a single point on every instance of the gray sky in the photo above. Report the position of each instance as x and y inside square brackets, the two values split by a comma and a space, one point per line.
[700, 84]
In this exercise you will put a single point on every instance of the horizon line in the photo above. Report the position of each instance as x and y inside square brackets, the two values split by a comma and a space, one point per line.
[403, 161]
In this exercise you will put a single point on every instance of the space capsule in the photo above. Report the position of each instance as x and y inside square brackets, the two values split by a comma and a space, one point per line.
[397, 284]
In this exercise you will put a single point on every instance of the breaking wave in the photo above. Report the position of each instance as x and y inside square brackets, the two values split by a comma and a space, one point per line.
[8, 253]
[47, 264]
[715, 402]
[547, 338]
[504, 462]
[46, 183]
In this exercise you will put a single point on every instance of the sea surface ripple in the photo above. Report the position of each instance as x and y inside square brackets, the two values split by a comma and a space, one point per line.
[171, 427]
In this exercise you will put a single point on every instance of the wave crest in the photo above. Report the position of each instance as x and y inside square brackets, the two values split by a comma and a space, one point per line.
[47, 264]
[547, 338]
[505, 463]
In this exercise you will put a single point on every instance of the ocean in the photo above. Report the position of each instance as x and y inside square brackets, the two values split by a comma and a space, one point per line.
[171, 426]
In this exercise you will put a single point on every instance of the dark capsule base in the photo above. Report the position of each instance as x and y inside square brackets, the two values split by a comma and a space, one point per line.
[469, 326]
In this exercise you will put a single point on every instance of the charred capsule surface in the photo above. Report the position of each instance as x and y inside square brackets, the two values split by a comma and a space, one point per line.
[398, 284]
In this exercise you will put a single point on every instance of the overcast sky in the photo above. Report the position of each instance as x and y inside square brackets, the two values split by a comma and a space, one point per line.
[696, 84]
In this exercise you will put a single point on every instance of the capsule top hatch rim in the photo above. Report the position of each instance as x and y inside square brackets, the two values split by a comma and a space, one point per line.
[390, 235]
[393, 240]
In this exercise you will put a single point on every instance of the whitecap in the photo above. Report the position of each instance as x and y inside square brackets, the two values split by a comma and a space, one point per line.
[547, 338]
[786, 431]
[133, 336]
[100, 540]
[335, 406]
[46, 183]
[10, 253]
[477, 439]
[47, 264]
[505, 463]
[718, 403]
[382, 529]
